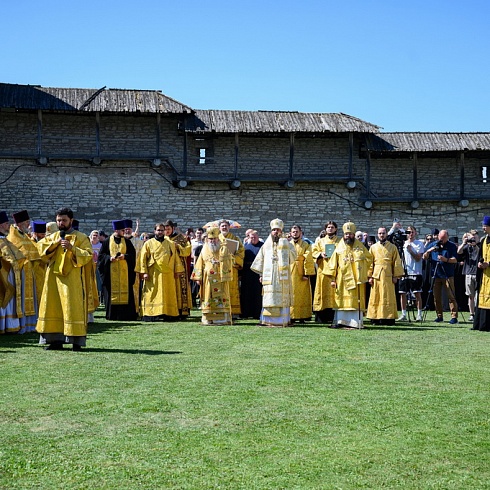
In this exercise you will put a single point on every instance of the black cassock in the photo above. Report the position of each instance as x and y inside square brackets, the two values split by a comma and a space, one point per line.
[251, 287]
[117, 312]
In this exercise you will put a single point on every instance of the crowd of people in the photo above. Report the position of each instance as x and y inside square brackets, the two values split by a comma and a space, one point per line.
[53, 277]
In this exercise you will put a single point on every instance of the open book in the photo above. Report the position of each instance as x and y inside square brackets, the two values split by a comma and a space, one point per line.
[232, 245]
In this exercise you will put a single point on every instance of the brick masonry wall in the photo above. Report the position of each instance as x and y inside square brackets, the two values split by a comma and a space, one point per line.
[122, 188]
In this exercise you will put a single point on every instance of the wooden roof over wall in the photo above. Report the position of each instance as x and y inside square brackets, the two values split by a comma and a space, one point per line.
[35, 97]
[216, 121]
[426, 142]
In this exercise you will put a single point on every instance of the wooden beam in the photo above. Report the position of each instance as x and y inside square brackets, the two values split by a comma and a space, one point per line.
[291, 156]
[461, 175]
[414, 175]
[157, 135]
[39, 143]
[351, 154]
[235, 170]
[97, 134]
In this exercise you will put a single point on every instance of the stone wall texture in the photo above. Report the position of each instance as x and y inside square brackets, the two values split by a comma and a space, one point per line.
[126, 186]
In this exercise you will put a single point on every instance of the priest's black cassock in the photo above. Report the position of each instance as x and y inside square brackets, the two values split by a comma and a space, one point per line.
[125, 312]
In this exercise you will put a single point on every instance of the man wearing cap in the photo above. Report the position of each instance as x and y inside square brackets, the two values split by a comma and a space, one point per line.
[383, 274]
[213, 272]
[239, 255]
[301, 270]
[67, 297]
[482, 313]
[273, 264]
[11, 273]
[116, 264]
[38, 230]
[347, 268]
[19, 236]
[158, 265]
[183, 248]
[443, 256]
[324, 298]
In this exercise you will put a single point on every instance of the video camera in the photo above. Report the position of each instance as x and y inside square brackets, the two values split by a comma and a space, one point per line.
[398, 238]
[437, 246]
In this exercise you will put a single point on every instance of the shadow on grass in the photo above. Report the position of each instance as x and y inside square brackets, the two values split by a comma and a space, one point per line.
[395, 328]
[133, 351]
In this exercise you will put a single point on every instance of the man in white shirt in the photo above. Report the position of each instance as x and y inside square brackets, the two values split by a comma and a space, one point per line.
[413, 250]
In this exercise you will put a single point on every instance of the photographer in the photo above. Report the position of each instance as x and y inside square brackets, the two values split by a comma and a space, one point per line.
[469, 250]
[443, 258]
[413, 250]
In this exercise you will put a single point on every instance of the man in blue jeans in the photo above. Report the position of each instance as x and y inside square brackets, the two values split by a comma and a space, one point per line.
[443, 259]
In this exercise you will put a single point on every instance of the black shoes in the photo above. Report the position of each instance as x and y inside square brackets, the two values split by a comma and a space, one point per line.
[76, 348]
[54, 346]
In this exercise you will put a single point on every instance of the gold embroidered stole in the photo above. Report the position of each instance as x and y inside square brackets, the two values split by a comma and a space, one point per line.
[12, 259]
[119, 273]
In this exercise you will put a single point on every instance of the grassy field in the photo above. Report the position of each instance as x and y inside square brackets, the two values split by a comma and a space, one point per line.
[182, 406]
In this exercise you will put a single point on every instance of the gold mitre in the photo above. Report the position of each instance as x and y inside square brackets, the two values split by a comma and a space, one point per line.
[349, 227]
[51, 227]
[277, 223]
[212, 232]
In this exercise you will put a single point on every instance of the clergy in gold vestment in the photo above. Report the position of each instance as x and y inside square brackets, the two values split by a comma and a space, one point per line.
[65, 300]
[159, 264]
[37, 234]
[213, 271]
[138, 245]
[324, 297]
[238, 257]
[383, 274]
[183, 248]
[12, 262]
[482, 313]
[116, 264]
[301, 270]
[273, 264]
[347, 268]
[19, 236]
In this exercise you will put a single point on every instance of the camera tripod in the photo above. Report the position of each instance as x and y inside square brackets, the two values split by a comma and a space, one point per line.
[411, 300]
[431, 290]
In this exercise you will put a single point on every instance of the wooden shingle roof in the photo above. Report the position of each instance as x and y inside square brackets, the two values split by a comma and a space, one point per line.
[219, 121]
[424, 142]
[34, 97]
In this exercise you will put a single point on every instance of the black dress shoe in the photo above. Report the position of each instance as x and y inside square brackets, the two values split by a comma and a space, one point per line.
[54, 346]
[76, 348]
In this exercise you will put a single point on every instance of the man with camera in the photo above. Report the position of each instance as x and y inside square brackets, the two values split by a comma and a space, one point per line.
[411, 282]
[469, 250]
[443, 258]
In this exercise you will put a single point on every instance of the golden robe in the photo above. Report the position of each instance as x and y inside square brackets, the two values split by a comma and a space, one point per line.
[160, 261]
[348, 267]
[66, 295]
[273, 263]
[324, 293]
[303, 266]
[183, 248]
[214, 269]
[385, 266]
[33, 273]
[238, 256]
[484, 287]
[138, 246]
[12, 263]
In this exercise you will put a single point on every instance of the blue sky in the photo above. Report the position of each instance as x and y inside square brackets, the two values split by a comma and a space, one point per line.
[403, 65]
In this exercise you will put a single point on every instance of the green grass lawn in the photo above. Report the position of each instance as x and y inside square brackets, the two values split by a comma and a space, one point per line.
[160, 405]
